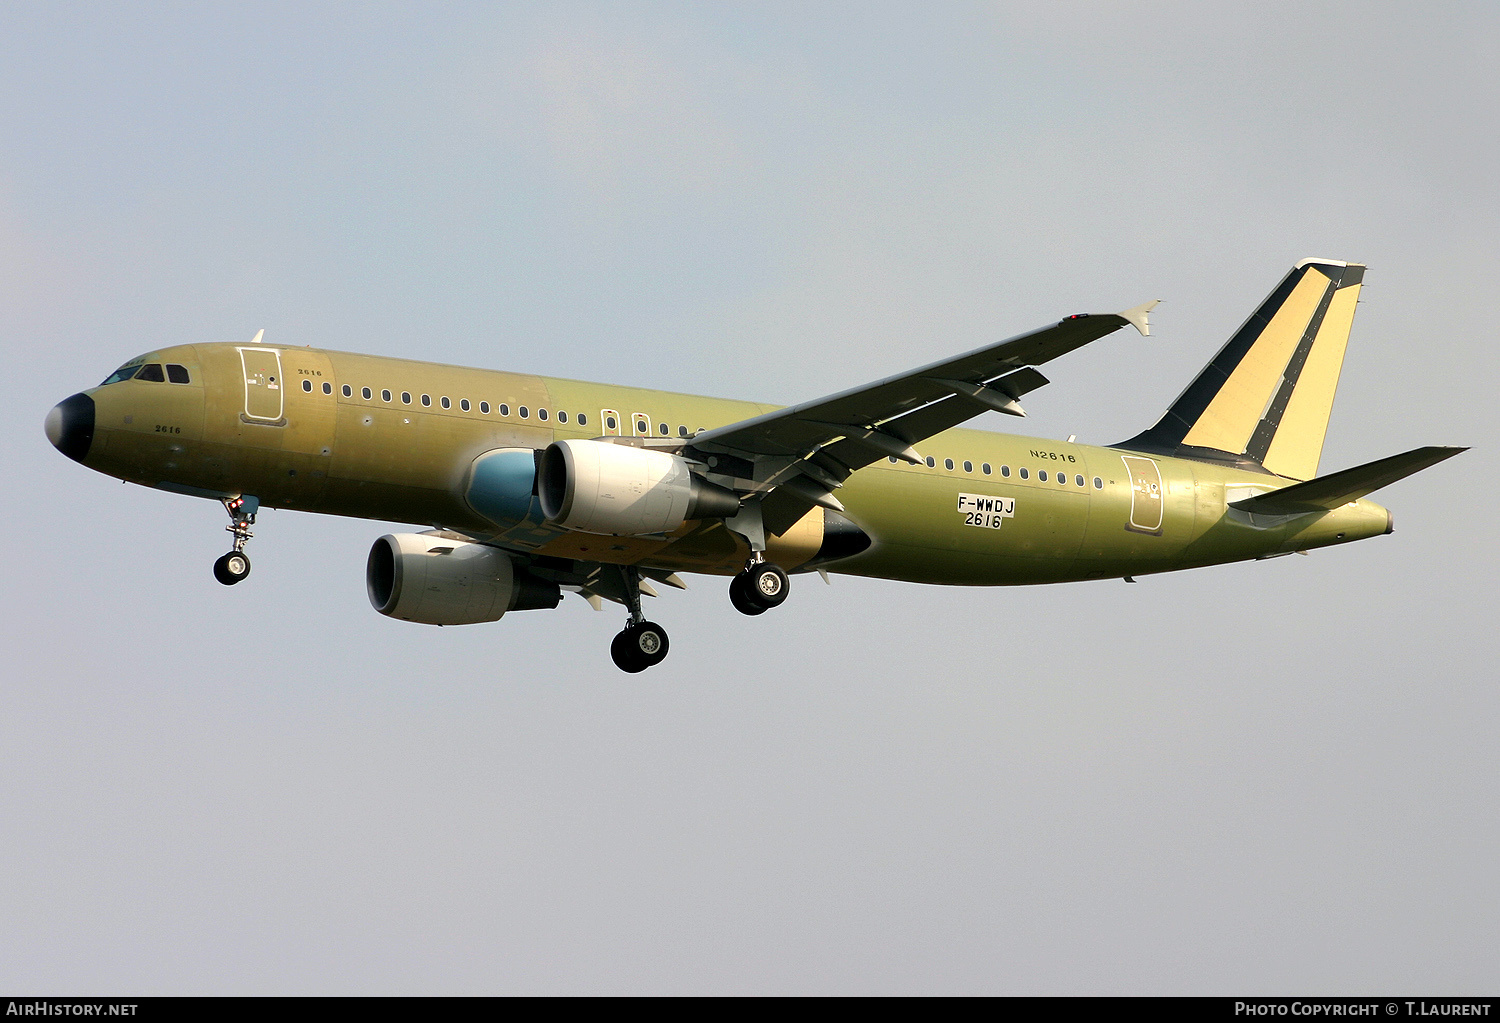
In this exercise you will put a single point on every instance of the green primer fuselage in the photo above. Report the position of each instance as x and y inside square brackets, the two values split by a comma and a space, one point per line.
[1098, 512]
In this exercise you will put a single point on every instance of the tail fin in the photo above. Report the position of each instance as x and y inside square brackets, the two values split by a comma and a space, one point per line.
[1264, 400]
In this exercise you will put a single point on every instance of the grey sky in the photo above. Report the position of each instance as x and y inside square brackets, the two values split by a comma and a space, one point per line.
[1267, 778]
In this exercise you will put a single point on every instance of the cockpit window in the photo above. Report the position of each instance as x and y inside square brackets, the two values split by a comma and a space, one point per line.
[123, 373]
[177, 374]
[151, 371]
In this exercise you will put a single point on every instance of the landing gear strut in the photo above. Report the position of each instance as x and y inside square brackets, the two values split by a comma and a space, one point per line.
[235, 565]
[760, 587]
[641, 644]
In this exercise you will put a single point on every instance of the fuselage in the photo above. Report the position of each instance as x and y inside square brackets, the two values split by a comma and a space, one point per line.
[397, 440]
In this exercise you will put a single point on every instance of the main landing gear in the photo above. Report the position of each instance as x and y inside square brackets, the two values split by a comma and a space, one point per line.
[641, 644]
[235, 565]
[760, 587]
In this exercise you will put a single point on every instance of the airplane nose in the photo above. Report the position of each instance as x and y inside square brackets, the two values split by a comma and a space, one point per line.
[70, 426]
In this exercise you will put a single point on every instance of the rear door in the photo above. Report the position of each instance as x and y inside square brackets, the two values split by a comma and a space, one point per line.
[1145, 494]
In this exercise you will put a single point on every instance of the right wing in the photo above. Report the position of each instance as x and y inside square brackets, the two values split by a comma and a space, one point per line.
[794, 458]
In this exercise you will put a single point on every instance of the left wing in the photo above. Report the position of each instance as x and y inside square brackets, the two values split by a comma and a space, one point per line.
[794, 458]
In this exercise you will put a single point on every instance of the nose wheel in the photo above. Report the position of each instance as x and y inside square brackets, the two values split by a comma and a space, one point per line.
[760, 587]
[231, 568]
[235, 566]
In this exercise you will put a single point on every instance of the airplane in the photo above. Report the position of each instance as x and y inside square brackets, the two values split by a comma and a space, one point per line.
[531, 487]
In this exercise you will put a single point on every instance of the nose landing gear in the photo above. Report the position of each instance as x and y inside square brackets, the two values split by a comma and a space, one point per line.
[235, 566]
[760, 587]
[641, 644]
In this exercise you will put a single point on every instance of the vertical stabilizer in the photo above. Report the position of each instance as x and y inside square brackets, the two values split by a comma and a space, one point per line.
[1265, 399]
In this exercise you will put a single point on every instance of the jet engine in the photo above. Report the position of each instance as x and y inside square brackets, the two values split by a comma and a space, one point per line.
[428, 578]
[618, 490]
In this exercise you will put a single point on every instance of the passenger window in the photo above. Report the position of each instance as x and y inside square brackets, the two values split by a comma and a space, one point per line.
[610, 422]
[327, 387]
[891, 459]
[583, 419]
[1078, 480]
[364, 392]
[524, 412]
[1005, 471]
[386, 396]
[1062, 478]
[427, 400]
[931, 462]
[1041, 475]
[406, 397]
[663, 428]
[562, 417]
[985, 468]
[948, 464]
[445, 402]
[1098, 483]
[484, 407]
[682, 431]
[504, 409]
[968, 467]
[1023, 473]
[642, 426]
[463, 404]
[307, 386]
[152, 371]
[349, 392]
[541, 414]
[177, 374]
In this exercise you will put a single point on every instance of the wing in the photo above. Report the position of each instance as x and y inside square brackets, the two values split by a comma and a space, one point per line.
[794, 458]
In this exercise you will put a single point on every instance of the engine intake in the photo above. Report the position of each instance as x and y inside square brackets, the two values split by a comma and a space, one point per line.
[597, 487]
[423, 577]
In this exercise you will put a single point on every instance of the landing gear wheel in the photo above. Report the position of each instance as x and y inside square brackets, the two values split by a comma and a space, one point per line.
[231, 568]
[651, 642]
[620, 649]
[767, 584]
[741, 598]
[639, 646]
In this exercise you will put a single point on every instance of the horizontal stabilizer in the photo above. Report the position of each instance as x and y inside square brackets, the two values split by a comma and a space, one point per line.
[1339, 488]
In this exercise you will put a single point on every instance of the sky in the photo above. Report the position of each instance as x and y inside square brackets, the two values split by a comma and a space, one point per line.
[1270, 778]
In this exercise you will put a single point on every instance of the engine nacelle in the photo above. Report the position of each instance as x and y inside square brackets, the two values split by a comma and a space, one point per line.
[422, 577]
[618, 490]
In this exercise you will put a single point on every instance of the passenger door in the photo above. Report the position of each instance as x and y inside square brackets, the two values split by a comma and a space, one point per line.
[1145, 494]
[264, 392]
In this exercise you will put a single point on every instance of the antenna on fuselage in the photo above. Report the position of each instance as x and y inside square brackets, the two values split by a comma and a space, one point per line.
[258, 335]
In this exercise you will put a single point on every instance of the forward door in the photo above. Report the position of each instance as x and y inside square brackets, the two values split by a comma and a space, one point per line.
[265, 397]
